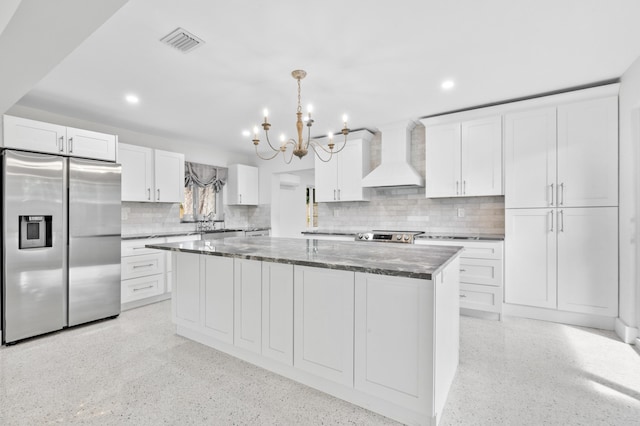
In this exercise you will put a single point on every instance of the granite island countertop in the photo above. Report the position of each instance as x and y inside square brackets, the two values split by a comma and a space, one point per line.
[404, 260]
[187, 233]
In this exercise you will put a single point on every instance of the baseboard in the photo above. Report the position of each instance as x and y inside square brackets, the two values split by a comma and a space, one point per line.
[626, 333]
[553, 315]
[480, 314]
[145, 301]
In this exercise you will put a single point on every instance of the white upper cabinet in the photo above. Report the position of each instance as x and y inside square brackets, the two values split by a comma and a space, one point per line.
[463, 158]
[340, 179]
[150, 175]
[565, 156]
[243, 185]
[31, 135]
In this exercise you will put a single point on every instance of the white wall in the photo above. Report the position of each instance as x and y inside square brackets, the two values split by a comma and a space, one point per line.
[629, 313]
[193, 151]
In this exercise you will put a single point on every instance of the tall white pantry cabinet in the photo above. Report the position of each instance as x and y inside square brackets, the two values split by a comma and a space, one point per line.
[561, 199]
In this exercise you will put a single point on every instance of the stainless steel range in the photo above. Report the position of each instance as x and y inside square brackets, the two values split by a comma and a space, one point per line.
[403, 237]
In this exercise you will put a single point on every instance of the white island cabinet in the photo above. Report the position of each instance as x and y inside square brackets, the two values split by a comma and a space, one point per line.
[362, 333]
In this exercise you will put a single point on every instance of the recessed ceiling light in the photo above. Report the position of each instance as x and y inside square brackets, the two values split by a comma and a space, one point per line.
[447, 84]
[132, 99]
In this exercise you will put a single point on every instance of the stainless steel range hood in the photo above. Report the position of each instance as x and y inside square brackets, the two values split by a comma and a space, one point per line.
[395, 168]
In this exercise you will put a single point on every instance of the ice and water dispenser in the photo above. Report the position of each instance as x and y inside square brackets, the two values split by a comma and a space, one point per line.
[35, 231]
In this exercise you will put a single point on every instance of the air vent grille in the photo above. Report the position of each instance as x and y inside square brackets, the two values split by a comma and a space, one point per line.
[182, 40]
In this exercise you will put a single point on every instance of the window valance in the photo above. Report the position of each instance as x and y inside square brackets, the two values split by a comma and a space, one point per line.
[204, 176]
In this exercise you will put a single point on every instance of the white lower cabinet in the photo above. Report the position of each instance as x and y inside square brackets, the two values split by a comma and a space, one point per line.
[142, 270]
[277, 311]
[564, 259]
[168, 261]
[323, 323]
[247, 300]
[391, 358]
[186, 302]
[218, 297]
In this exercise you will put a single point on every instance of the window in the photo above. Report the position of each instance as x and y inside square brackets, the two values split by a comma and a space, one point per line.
[202, 192]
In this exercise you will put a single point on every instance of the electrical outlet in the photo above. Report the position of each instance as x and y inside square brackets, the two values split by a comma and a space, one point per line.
[460, 212]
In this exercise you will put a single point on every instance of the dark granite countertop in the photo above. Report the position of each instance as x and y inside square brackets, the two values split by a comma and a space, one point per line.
[320, 232]
[186, 233]
[410, 260]
[459, 237]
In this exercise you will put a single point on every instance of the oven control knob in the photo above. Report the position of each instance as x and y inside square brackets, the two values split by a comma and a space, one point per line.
[366, 236]
[359, 236]
[398, 237]
[405, 237]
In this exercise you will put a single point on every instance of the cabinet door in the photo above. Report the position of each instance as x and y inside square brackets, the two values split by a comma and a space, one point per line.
[186, 296]
[169, 177]
[588, 260]
[243, 185]
[88, 144]
[588, 153]
[33, 135]
[481, 157]
[248, 304]
[218, 297]
[349, 178]
[530, 158]
[277, 311]
[393, 351]
[326, 180]
[137, 173]
[530, 257]
[323, 323]
[442, 174]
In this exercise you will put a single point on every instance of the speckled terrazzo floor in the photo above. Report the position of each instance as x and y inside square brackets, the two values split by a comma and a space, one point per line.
[135, 370]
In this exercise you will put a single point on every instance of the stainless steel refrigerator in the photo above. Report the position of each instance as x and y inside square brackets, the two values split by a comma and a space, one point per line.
[61, 231]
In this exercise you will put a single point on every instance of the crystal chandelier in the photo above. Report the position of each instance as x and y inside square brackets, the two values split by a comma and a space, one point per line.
[300, 147]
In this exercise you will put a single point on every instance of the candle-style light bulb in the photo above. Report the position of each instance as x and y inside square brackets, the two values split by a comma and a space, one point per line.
[344, 119]
[255, 132]
[266, 115]
[282, 139]
[330, 136]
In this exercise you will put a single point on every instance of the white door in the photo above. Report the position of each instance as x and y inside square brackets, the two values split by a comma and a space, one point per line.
[169, 177]
[588, 260]
[349, 178]
[588, 153]
[530, 257]
[481, 157]
[248, 304]
[33, 135]
[530, 159]
[137, 173]
[88, 144]
[326, 177]
[442, 174]
[323, 323]
[277, 311]
[218, 297]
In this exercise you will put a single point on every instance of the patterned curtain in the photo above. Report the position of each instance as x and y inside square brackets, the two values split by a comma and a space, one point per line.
[203, 176]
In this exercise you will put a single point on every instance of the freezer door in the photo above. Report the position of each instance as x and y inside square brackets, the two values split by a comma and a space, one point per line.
[33, 278]
[94, 240]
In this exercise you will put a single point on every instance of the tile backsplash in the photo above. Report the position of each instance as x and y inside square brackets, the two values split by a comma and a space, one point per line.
[408, 209]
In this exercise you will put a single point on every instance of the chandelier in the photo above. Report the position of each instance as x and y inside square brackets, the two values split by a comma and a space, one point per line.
[300, 148]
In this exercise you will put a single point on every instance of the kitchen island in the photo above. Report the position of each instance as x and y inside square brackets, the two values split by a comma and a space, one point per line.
[374, 324]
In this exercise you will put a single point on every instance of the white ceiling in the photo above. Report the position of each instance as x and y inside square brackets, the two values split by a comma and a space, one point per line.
[377, 61]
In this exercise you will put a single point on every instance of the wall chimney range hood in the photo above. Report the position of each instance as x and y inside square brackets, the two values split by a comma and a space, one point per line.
[395, 168]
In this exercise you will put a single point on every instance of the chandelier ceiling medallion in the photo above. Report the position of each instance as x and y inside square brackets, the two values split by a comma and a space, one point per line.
[299, 147]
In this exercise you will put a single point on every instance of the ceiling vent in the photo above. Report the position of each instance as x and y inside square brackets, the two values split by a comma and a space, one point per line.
[182, 40]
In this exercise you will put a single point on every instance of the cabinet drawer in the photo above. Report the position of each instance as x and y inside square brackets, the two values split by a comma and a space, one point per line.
[482, 250]
[481, 271]
[144, 265]
[137, 247]
[139, 288]
[484, 298]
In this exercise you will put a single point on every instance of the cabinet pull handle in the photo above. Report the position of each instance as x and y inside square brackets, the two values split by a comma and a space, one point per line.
[562, 194]
[561, 220]
[139, 248]
[551, 214]
[334, 195]
[70, 145]
[142, 288]
[61, 144]
[338, 195]
[149, 194]
[457, 188]
[463, 270]
[158, 194]
[142, 266]
[240, 195]
[464, 187]
[463, 295]
[551, 203]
